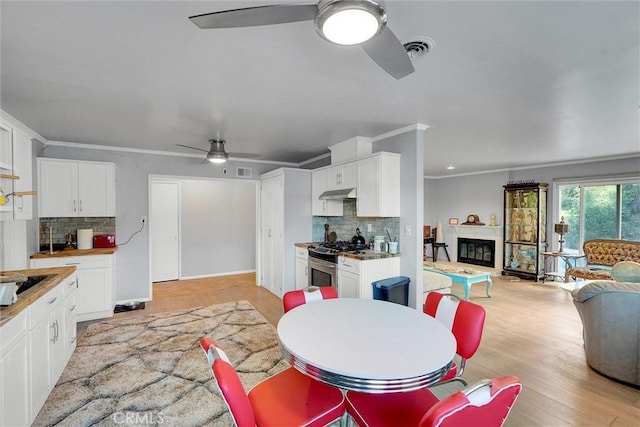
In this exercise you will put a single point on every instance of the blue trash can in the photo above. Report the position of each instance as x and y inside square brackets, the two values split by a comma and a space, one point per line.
[393, 289]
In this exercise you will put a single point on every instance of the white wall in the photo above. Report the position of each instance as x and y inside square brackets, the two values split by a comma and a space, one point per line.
[410, 145]
[218, 227]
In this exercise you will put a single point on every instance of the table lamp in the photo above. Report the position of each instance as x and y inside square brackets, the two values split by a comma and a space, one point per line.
[561, 228]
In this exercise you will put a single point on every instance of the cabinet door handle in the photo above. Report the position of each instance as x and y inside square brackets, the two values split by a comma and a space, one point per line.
[347, 264]
[72, 283]
[73, 263]
[75, 204]
[80, 205]
[73, 307]
[52, 300]
[53, 331]
[74, 339]
[306, 270]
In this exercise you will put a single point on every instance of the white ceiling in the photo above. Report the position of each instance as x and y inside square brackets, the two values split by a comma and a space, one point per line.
[507, 85]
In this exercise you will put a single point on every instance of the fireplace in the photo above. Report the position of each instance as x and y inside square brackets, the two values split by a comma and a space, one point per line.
[484, 233]
[477, 251]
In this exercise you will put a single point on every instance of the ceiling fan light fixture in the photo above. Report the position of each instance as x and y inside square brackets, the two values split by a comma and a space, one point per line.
[217, 157]
[350, 22]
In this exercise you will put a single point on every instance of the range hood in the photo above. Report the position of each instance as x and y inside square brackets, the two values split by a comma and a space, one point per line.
[347, 193]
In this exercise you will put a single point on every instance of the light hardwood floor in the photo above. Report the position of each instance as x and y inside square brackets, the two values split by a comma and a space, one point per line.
[532, 331]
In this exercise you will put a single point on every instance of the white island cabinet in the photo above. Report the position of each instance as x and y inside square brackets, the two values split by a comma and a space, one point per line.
[68, 188]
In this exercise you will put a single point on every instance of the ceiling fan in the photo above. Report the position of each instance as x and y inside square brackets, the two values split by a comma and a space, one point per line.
[217, 153]
[343, 22]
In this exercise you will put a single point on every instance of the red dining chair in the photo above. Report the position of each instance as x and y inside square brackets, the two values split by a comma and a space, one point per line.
[292, 299]
[484, 404]
[288, 398]
[466, 321]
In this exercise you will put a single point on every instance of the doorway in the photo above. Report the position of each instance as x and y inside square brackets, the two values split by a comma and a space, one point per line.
[164, 227]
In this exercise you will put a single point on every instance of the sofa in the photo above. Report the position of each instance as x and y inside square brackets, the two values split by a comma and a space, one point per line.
[601, 255]
[610, 314]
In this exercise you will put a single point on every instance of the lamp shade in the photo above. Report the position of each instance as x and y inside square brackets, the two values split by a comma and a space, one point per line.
[561, 227]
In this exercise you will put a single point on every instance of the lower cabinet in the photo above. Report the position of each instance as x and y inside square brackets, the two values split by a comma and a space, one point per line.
[35, 348]
[355, 276]
[302, 268]
[96, 283]
[14, 372]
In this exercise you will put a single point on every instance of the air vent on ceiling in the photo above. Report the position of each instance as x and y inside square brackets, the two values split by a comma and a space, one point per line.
[418, 48]
[243, 172]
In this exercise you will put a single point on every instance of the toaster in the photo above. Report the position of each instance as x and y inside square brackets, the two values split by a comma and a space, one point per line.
[104, 241]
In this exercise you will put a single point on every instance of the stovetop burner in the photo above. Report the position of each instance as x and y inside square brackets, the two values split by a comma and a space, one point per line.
[330, 250]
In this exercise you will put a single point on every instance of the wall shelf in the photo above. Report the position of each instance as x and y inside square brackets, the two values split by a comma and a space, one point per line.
[7, 176]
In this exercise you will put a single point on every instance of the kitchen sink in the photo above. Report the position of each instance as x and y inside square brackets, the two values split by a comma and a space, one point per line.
[31, 282]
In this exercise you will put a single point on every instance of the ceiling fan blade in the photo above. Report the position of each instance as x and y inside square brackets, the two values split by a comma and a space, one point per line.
[255, 16]
[244, 155]
[386, 50]
[193, 148]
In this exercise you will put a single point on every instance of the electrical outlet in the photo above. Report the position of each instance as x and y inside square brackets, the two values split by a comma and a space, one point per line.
[368, 228]
[143, 219]
[407, 230]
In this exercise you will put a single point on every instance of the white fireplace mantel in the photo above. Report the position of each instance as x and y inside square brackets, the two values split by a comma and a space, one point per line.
[481, 232]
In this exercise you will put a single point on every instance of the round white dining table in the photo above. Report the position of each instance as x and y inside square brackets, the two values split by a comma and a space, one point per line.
[366, 345]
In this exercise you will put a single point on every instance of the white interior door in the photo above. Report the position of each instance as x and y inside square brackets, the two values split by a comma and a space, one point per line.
[164, 223]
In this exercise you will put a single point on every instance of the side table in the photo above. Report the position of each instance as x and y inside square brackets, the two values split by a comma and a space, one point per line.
[569, 259]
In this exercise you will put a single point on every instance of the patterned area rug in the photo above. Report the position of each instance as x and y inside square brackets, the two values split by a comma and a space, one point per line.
[151, 370]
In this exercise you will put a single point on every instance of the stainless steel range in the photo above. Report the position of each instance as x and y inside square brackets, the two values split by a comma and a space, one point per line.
[323, 261]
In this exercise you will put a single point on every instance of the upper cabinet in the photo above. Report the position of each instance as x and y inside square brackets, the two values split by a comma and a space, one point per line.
[16, 174]
[320, 184]
[342, 176]
[376, 179]
[68, 188]
[378, 191]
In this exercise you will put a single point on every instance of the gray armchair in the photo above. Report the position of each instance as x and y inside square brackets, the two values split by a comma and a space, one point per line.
[610, 313]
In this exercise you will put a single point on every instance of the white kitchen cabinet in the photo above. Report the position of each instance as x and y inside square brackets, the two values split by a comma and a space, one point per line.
[348, 278]
[14, 372]
[34, 350]
[96, 283]
[319, 184]
[285, 219]
[302, 268]
[378, 191]
[47, 345]
[15, 160]
[342, 176]
[22, 167]
[68, 188]
[355, 276]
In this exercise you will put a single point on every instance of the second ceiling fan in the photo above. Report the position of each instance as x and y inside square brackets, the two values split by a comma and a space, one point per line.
[343, 22]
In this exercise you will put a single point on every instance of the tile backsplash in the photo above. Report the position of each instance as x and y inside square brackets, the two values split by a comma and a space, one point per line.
[62, 226]
[345, 226]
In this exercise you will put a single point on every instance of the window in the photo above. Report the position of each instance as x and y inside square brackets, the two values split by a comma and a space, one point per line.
[599, 209]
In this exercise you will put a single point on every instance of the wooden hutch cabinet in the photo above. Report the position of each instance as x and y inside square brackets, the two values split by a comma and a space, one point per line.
[525, 229]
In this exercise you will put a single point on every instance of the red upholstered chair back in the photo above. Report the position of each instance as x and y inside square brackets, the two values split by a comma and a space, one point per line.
[485, 404]
[232, 390]
[292, 299]
[464, 318]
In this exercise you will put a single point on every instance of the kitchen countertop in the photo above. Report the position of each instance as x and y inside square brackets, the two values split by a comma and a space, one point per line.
[31, 295]
[367, 255]
[75, 252]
